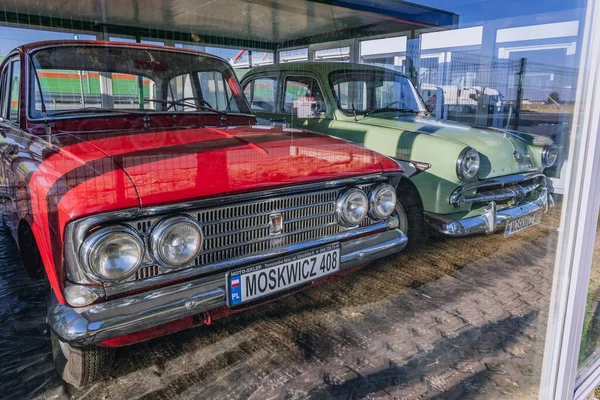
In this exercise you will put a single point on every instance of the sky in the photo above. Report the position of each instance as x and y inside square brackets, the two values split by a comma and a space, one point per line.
[473, 11]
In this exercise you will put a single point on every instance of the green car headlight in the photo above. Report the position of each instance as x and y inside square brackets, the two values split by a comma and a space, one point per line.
[467, 164]
[549, 155]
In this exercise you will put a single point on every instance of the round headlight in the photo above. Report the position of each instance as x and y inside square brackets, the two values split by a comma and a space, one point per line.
[467, 164]
[352, 207]
[113, 253]
[382, 201]
[549, 155]
[176, 241]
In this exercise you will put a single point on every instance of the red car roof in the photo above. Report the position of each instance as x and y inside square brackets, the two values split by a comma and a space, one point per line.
[26, 48]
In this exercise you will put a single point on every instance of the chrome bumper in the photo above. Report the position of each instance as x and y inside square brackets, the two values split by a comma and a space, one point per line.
[111, 319]
[491, 220]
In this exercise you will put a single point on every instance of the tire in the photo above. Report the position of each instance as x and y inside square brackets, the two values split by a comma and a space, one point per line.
[411, 219]
[79, 366]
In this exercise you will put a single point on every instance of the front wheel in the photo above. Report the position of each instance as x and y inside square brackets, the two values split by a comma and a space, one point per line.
[80, 366]
[411, 220]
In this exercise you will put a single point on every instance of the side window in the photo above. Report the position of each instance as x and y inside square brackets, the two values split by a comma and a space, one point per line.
[304, 96]
[216, 91]
[5, 91]
[261, 94]
[15, 81]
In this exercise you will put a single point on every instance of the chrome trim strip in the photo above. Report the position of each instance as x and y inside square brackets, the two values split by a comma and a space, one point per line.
[491, 220]
[501, 180]
[88, 325]
[75, 231]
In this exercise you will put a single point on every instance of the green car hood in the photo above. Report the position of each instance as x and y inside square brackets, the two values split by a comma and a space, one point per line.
[501, 152]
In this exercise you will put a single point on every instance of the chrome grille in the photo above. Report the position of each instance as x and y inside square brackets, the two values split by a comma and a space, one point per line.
[516, 189]
[242, 229]
[147, 272]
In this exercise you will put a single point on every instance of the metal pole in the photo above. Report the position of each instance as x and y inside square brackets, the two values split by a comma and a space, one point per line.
[519, 93]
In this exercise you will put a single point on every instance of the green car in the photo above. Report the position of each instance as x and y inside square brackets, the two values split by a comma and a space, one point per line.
[460, 179]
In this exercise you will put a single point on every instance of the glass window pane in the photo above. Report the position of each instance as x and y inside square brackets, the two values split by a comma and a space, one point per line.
[146, 82]
[335, 54]
[468, 108]
[15, 91]
[303, 93]
[215, 91]
[261, 93]
[295, 55]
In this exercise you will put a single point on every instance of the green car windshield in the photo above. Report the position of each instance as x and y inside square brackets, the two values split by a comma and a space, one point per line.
[367, 91]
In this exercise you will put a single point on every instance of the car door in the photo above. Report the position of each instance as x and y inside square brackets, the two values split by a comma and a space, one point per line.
[261, 93]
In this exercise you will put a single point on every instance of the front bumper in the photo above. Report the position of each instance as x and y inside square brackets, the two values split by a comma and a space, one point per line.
[115, 318]
[491, 220]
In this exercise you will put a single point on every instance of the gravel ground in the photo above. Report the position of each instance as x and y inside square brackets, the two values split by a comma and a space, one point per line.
[457, 319]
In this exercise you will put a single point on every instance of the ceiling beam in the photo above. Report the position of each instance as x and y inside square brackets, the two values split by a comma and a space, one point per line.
[33, 21]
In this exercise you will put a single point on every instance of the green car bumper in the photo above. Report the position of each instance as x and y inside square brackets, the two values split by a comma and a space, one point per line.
[500, 201]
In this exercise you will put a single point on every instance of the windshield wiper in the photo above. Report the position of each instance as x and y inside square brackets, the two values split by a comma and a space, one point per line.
[94, 110]
[392, 109]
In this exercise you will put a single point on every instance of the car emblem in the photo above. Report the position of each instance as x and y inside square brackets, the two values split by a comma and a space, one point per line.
[275, 224]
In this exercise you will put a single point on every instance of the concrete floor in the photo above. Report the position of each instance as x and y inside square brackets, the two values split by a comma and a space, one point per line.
[457, 319]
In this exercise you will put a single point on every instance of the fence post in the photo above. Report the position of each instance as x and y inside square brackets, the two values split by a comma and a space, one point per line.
[519, 93]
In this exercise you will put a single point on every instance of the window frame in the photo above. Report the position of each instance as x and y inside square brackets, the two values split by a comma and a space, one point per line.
[560, 378]
[3, 92]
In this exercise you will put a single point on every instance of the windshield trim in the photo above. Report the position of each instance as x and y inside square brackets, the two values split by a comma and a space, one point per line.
[135, 114]
[30, 70]
[422, 107]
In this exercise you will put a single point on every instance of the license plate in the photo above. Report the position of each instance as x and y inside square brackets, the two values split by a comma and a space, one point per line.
[519, 224]
[256, 281]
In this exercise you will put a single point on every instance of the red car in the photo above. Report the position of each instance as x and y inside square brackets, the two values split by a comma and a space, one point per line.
[143, 193]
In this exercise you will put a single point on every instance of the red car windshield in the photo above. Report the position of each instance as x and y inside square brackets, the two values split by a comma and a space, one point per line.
[75, 80]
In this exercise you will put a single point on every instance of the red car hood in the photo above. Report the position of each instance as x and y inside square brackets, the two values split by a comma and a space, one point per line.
[176, 165]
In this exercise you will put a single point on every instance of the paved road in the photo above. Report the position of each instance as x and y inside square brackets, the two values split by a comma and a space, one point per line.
[458, 319]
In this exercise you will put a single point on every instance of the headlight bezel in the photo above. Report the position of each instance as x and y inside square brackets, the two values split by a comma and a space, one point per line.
[340, 207]
[158, 232]
[545, 154]
[373, 197]
[92, 242]
[462, 157]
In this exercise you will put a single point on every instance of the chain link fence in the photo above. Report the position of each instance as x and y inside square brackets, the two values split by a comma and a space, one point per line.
[507, 93]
